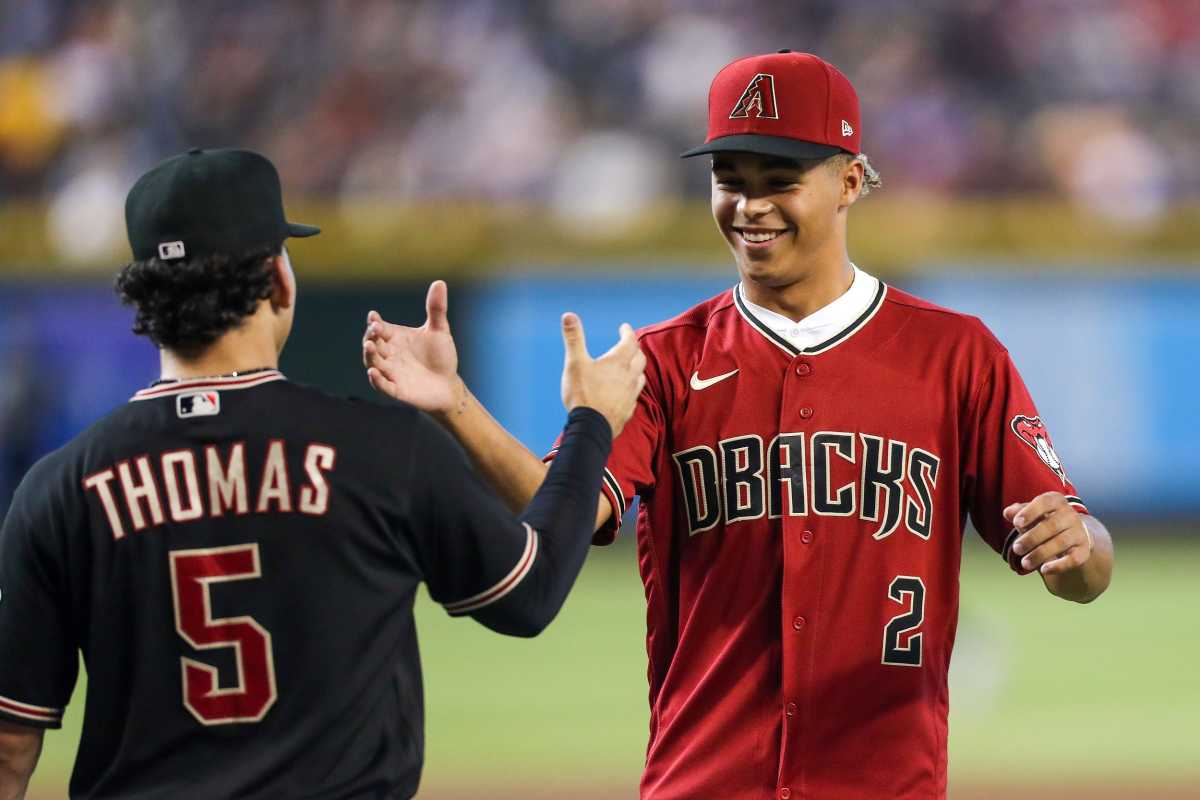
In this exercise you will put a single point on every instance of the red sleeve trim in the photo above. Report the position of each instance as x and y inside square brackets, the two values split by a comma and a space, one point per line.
[610, 487]
[502, 586]
[30, 712]
[607, 533]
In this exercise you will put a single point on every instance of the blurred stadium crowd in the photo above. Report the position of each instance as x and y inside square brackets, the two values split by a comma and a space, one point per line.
[541, 101]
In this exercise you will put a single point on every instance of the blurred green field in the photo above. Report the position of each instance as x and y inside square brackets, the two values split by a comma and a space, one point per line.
[1046, 694]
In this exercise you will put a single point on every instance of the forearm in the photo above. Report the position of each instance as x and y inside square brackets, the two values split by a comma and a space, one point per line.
[1089, 580]
[508, 466]
[560, 514]
[20, 747]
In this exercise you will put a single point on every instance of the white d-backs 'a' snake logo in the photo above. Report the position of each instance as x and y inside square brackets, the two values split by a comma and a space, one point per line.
[1032, 431]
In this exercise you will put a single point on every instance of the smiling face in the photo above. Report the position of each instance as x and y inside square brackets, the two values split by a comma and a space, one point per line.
[783, 219]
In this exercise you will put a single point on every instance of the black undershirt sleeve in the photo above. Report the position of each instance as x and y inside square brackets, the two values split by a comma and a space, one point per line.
[510, 574]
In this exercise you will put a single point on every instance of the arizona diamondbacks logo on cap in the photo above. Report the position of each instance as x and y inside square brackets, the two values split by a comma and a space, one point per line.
[758, 100]
[198, 404]
[1032, 431]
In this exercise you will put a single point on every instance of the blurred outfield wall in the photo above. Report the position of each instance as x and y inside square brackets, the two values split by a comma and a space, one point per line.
[1110, 359]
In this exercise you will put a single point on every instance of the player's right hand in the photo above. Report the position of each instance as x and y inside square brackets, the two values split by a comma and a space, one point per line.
[609, 384]
[416, 365]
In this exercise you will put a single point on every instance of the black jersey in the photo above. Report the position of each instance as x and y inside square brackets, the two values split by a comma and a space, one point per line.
[237, 560]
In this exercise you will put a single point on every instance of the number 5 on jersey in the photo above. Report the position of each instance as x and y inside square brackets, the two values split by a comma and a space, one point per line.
[192, 574]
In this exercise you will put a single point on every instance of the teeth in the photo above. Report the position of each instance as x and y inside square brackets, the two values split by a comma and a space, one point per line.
[760, 237]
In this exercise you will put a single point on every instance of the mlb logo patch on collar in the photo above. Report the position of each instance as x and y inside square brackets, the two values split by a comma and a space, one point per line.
[198, 404]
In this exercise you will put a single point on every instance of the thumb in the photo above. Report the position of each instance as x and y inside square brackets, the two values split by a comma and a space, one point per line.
[574, 343]
[436, 303]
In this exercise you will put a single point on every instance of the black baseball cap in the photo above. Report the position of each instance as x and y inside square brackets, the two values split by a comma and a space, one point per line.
[207, 201]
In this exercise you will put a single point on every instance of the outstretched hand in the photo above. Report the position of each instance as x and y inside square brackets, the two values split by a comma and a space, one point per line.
[416, 365]
[609, 384]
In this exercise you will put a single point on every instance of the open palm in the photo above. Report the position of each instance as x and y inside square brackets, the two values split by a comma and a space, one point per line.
[416, 365]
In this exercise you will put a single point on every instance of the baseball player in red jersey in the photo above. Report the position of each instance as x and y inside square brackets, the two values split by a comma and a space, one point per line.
[807, 449]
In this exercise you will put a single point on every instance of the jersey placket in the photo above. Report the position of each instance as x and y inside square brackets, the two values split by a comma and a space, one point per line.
[802, 559]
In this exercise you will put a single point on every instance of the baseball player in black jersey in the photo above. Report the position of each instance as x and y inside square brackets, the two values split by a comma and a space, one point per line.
[236, 556]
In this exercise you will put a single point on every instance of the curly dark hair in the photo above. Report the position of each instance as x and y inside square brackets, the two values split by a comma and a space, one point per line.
[187, 305]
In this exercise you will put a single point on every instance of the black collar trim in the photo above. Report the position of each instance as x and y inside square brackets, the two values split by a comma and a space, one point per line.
[851, 329]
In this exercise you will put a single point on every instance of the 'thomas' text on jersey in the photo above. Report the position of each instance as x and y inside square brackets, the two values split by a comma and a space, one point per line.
[798, 474]
[186, 485]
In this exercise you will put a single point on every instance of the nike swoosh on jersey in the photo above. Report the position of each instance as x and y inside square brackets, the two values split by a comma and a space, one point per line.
[699, 384]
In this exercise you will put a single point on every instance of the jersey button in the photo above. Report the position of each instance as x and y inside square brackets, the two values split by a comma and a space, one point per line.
[798, 622]
[806, 537]
[785, 793]
[805, 412]
[803, 369]
[790, 709]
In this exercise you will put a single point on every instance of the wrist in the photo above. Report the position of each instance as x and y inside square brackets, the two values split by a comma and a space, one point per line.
[587, 421]
[590, 414]
[460, 399]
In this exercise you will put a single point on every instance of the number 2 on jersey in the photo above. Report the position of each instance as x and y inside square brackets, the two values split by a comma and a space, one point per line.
[905, 588]
[192, 574]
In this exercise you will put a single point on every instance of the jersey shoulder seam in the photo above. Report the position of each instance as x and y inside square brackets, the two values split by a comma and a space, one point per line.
[917, 304]
[686, 320]
[971, 320]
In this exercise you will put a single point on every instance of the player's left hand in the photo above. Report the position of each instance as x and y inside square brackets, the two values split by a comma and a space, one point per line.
[1053, 536]
[416, 365]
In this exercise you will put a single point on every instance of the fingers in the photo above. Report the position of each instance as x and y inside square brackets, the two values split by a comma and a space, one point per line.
[378, 329]
[374, 360]
[437, 301]
[381, 383]
[1041, 505]
[1072, 559]
[626, 344]
[1052, 547]
[574, 341]
[1044, 529]
[1012, 510]
[1051, 533]
[377, 348]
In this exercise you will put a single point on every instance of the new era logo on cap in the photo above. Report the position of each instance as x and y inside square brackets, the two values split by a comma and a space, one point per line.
[758, 100]
[847, 129]
[198, 404]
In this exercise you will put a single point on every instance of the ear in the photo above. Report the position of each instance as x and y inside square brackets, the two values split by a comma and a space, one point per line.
[852, 178]
[283, 282]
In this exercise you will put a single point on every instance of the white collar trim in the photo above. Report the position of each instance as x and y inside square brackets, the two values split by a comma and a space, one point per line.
[222, 383]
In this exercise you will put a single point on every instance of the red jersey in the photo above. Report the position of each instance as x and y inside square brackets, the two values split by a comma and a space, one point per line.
[799, 538]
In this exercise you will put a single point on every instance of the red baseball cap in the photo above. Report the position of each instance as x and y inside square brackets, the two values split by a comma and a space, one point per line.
[793, 105]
